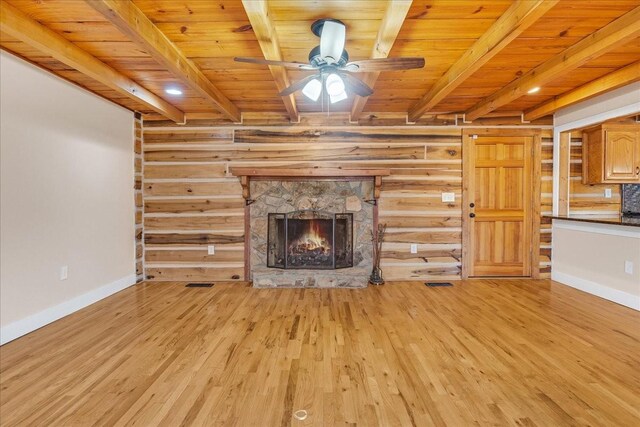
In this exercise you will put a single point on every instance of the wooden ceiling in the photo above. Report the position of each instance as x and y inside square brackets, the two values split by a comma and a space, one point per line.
[482, 56]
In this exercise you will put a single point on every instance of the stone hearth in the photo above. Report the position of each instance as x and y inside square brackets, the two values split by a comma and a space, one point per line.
[274, 195]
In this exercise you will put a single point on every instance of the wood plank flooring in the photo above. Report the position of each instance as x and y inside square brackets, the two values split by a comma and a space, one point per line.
[483, 352]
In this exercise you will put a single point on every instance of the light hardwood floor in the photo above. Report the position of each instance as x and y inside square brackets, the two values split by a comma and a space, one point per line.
[484, 352]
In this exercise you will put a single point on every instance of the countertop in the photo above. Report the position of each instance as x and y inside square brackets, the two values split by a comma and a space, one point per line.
[621, 220]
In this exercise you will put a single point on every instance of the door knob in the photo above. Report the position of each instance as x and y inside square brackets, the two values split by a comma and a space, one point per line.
[472, 215]
[472, 205]
[637, 170]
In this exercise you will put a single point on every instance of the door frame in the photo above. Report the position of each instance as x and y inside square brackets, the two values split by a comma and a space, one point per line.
[536, 170]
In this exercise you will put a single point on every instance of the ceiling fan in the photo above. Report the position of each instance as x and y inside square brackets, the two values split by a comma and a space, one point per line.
[330, 63]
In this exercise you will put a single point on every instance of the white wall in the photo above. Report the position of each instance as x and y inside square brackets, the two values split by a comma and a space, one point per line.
[620, 102]
[67, 197]
[591, 257]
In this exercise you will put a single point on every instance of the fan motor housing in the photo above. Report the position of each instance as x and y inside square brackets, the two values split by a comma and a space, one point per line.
[316, 60]
[316, 27]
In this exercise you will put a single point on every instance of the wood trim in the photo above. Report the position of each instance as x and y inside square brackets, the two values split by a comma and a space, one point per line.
[536, 205]
[467, 162]
[388, 32]
[247, 243]
[18, 25]
[613, 35]
[564, 153]
[126, 16]
[308, 172]
[247, 174]
[520, 16]
[614, 80]
[258, 13]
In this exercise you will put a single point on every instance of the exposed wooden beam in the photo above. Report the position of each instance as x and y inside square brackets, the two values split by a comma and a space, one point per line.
[616, 79]
[131, 21]
[258, 13]
[510, 25]
[16, 24]
[620, 31]
[387, 33]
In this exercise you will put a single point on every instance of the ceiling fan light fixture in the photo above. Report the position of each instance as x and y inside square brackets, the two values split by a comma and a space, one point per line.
[332, 41]
[312, 90]
[338, 97]
[334, 84]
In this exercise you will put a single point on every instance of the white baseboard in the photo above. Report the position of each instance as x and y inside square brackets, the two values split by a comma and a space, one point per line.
[29, 324]
[615, 295]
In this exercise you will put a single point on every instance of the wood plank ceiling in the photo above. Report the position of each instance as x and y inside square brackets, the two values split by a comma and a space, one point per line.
[480, 54]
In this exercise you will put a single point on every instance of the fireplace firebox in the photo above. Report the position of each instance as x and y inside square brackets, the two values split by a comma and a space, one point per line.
[310, 239]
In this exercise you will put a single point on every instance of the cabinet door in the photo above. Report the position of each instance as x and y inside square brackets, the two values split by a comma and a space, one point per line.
[621, 156]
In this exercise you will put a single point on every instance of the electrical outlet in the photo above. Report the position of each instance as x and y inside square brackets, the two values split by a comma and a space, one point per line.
[211, 250]
[607, 193]
[414, 248]
[628, 267]
[448, 197]
[64, 272]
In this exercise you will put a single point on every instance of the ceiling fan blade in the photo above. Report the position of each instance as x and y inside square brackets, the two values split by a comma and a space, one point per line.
[297, 85]
[296, 65]
[332, 41]
[383, 64]
[356, 85]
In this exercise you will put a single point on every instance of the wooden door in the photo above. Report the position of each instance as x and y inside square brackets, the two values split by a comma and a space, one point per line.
[499, 204]
[621, 153]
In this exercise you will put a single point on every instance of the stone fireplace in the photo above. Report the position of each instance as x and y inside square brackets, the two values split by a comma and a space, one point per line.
[309, 228]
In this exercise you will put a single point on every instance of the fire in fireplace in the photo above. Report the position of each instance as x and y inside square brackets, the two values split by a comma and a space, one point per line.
[310, 239]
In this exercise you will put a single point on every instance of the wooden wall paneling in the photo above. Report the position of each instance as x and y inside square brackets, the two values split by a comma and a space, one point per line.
[139, 213]
[191, 200]
[585, 199]
[563, 162]
[546, 202]
[536, 215]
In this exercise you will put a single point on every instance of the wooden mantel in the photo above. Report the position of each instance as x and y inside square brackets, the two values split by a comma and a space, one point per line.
[245, 175]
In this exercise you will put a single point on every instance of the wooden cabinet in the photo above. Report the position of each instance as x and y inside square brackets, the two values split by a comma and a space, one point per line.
[611, 154]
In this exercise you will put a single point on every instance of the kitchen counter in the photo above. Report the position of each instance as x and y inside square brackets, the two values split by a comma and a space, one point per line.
[599, 256]
[621, 220]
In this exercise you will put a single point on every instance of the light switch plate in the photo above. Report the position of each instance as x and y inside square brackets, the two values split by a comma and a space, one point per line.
[448, 197]
[414, 248]
[211, 249]
[628, 267]
[607, 193]
[64, 272]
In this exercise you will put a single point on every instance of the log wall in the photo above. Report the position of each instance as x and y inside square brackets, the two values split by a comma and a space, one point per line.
[587, 199]
[191, 200]
[138, 197]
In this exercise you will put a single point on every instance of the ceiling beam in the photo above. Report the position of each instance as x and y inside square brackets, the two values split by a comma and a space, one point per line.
[258, 13]
[387, 33]
[617, 33]
[510, 25]
[614, 80]
[16, 24]
[132, 22]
